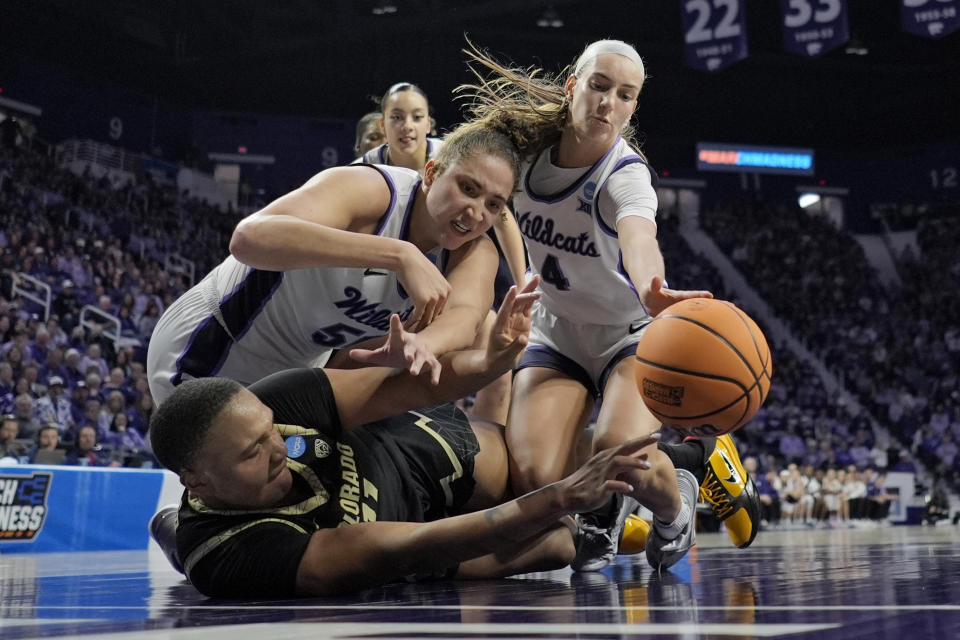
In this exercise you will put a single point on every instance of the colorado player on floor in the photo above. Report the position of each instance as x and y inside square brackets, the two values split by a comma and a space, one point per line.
[406, 122]
[587, 208]
[308, 483]
[325, 266]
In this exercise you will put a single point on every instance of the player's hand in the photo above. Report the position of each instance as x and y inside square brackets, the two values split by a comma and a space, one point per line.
[591, 486]
[511, 330]
[402, 350]
[657, 297]
[426, 286]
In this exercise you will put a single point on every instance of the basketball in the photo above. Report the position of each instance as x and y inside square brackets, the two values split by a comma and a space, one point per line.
[703, 366]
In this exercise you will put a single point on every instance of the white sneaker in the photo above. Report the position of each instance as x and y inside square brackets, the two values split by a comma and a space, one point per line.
[598, 541]
[663, 553]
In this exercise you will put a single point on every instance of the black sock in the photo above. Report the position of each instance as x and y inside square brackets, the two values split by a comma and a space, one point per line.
[690, 455]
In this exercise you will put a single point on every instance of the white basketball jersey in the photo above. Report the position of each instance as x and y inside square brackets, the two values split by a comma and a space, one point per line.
[379, 155]
[280, 319]
[575, 251]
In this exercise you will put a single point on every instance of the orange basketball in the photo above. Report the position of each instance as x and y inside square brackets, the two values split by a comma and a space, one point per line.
[704, 366]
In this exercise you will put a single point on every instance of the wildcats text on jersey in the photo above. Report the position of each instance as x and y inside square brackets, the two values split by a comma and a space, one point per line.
[357, 308]
[23, 506]
[540, 230]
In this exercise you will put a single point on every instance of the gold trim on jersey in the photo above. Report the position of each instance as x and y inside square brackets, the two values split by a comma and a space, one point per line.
[320, 497]
[209, 545]
[293, 430]
[445, 483]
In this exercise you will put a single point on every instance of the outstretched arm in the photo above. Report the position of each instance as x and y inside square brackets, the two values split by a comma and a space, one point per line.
[644, 263]
[364, 555]
[365, 395]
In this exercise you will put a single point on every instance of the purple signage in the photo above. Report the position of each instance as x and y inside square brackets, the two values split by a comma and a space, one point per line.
[814, 27]
[930, 18]
[714, 33]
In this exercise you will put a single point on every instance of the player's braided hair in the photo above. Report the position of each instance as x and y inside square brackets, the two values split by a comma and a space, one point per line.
[525, 104]
[179, 426]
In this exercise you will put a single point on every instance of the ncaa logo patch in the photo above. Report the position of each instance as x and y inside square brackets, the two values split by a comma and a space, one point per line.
[589, 189]
[296, 446]
[23, 506]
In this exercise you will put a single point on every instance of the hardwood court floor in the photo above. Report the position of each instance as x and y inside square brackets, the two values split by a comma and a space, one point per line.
[892, 583]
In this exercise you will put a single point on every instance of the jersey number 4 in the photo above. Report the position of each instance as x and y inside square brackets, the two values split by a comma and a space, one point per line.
[552, 273]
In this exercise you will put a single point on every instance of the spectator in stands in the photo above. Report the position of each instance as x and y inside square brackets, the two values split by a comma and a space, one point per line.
[769, 499]
[23, 407]
[31, 373]
[9, 432]
[947, 450]
[792, 446]
[92, 409]
[93, 387]
[15, 358]
[79, 395]
[66, 305]
[86, 451]
[148, 321]
[145, 297]
[878, 498]
[128, 327]
[54, 365]
[830, 489]
[117, 381]
[856, 491]
[141, 412]
[122, 436]
[71, 364]
[40, 346]
[47, 440]
[93, 357]
[57, 335]
[6, 378]
[54, 408]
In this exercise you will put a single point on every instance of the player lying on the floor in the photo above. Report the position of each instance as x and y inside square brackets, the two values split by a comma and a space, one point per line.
[305, 484]
[274, 473]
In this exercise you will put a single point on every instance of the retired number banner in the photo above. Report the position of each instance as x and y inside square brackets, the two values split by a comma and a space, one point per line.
[814, 27]
[714, 33]
[930, 18]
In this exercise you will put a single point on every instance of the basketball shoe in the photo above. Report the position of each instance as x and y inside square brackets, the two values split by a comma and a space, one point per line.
[599, 537]
[163, 530]
[730, 492]
[634, 536]
[662, 552]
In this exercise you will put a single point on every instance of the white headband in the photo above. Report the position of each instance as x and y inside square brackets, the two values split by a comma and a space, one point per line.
[608, 46]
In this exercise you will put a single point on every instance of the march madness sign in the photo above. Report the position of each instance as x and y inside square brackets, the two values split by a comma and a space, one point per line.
[23, 506]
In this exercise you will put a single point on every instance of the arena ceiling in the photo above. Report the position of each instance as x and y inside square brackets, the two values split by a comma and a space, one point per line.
[324, 58]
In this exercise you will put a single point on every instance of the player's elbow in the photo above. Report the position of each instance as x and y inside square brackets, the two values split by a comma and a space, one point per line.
[246, 240]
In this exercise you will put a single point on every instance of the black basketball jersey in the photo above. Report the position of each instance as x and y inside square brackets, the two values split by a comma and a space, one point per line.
[392, 470]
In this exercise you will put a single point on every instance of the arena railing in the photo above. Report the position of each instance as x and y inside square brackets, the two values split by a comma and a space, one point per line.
[103, 326]
[175, 263]
[38, 291]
